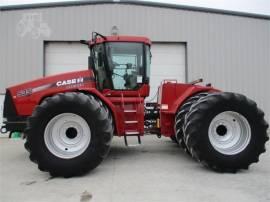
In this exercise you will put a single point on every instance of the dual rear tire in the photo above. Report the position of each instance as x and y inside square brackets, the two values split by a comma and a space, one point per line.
[180, 119]
[224, 131]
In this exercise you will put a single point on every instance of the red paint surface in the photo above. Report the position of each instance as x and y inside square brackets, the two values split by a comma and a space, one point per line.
[121, 39]
[174, 94]
[25, 104]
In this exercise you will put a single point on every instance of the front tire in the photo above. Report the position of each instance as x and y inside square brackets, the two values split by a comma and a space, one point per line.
[226, 131]
[69, 134]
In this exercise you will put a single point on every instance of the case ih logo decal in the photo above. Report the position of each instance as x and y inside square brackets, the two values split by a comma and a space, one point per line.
[69, 82]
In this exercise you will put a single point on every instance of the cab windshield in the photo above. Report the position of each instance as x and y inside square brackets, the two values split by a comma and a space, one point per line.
[124, 65]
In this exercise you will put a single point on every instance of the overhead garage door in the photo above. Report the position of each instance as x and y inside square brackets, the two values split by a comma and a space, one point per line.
[63, 57]
[168, 60]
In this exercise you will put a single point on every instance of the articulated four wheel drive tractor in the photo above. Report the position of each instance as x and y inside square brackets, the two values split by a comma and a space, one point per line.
[69, 120]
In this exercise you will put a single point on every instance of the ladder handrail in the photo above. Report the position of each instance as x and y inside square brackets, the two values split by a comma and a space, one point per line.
[122, 101]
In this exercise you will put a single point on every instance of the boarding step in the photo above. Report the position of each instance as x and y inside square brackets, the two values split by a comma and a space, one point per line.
[130, 111]
[132, 133]
[130, 122]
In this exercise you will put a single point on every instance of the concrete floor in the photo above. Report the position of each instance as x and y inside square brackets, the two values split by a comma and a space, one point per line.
[157, 171]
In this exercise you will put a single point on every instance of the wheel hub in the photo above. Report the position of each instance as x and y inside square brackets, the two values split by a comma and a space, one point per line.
[67, 135]
[229, 133]
[71, 132]
[221, 130]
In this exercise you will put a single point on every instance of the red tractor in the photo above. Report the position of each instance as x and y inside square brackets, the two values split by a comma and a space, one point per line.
[69, 119]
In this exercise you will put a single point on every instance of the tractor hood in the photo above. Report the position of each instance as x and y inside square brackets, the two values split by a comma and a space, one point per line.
[69, 80]
[21, 98]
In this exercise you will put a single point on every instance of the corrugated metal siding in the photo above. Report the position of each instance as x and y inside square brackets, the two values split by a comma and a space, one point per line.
[232, 52]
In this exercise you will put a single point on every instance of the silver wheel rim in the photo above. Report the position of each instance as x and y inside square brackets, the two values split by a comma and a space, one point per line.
[67, 135]
[229, 133]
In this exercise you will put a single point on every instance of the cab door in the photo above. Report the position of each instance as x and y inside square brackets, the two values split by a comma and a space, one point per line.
[122, 79]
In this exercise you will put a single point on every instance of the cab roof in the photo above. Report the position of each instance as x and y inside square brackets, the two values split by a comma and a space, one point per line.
[134, 39]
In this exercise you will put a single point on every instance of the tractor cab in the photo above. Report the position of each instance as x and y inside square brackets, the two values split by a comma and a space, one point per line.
[121, 64]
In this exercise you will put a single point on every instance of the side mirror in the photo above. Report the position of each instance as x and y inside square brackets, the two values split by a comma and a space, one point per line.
[84, 42]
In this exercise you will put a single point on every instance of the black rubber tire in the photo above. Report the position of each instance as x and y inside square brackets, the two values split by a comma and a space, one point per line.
[26, 145]
[174, 140]
[196, 130]
[98, 119]
[180, 118]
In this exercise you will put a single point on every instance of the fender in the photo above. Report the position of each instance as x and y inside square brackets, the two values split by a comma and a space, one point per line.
[171, 97]
[108, 103]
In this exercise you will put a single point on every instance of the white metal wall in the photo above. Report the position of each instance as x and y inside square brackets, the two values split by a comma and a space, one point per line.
[231, 52]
